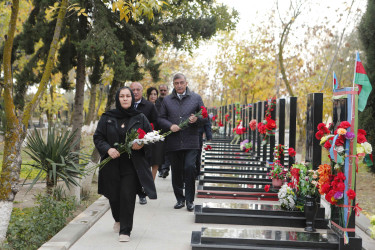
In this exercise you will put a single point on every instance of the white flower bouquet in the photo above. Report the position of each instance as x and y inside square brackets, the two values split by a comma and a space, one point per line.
[287, 197]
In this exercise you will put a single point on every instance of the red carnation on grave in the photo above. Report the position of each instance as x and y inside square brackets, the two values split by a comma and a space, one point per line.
[271, 124]
[345, 124]
[362, 132]
[267, 188]
[326, 130]
[204, 112]
[341, 176]
[220, 124]
[214, 118]
[227, 117]
[351, 194]
[340, 140]
[253, 125]
[152, 126]
[327, 144]
[361, 138]
[141, 133]
[325, 188]
[261, 128]
[291, 152]
[321, 126]
[319, 134]
[341, 187]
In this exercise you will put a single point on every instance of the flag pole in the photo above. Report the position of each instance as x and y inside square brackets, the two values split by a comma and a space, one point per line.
[355, 66]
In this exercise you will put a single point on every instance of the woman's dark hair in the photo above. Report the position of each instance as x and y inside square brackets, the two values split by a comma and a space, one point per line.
[149, 90]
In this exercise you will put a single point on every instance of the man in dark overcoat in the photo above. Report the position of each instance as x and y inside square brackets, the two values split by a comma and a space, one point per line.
[182, 145]
[164, 168]
[148, 109]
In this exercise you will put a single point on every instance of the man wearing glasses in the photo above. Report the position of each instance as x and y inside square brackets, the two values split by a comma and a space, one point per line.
[182, 145]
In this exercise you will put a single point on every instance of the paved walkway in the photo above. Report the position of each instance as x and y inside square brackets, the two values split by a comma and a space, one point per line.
[157, 226]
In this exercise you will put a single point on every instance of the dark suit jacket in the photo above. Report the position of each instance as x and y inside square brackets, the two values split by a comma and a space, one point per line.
[148, 109]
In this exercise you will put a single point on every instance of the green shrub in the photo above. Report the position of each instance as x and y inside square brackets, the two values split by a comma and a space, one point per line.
[30, 228]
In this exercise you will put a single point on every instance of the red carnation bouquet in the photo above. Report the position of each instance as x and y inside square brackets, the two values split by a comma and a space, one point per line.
[268, 126]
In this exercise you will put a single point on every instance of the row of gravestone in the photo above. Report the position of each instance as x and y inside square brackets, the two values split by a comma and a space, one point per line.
[229, 173]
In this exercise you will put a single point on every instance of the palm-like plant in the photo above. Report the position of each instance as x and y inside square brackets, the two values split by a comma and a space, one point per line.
[55, 157]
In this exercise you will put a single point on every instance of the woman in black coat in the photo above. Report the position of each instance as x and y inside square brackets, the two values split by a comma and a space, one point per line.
[123, 177]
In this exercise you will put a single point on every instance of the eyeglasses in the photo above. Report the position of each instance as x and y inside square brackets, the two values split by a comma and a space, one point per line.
[163, 90]
[179, 83]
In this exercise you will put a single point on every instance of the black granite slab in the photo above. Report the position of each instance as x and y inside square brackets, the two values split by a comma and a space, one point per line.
[264, 181]
[233, 187]
[232, 162]
[234, 169]
[254, 214]
[234, 238]
[262, 176]
[228, 157]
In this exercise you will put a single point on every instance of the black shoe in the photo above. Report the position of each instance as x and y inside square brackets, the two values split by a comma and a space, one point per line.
[160, 174]
[165, 173]
[142, 200]
[190, 206]
[179, 204]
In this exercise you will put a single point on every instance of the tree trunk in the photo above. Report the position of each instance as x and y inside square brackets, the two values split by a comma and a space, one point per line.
[16, 130]
[112, 93]
[101, 90]
[91, 113]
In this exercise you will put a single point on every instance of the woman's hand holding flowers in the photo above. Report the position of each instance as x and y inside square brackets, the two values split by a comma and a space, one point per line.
[113, 153]
[136, 146]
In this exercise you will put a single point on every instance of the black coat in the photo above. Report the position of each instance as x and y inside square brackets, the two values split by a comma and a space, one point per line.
[106, 135]
[148, 109]
[174, 111]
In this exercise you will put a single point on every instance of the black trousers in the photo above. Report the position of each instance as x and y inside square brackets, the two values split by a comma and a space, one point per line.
[165, 165]
[123, 208]
[183, 171]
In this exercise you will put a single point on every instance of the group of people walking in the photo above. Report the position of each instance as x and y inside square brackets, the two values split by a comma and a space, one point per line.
[126, 176]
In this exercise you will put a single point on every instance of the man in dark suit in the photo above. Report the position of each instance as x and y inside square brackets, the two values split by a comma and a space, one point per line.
[182, 145]
[164, 168]
[149, 110]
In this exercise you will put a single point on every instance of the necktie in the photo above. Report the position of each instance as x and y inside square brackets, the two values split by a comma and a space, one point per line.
[135, 105]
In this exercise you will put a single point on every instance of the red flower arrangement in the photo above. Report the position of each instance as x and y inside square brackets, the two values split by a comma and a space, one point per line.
[220, 124]
[204, 112]
[291, 152]
[214, 118]
[262, 128]
[267, 127]
[253, 125]
[267, 188]
[227, 117]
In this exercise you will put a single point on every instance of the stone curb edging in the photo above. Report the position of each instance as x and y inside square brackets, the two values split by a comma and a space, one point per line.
[363, 223]
[78, 226]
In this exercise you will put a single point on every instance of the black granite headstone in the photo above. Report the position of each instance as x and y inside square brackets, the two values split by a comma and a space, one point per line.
[280, 125]
[314, 115]
[264, 147]
[291, 125]
[254, 133]
[259, 119]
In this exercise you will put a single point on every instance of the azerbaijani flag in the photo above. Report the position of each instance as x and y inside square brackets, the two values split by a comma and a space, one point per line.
[335, 82]
[363, 82]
